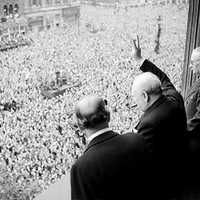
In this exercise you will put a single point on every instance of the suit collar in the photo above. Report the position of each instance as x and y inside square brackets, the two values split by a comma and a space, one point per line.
[101, 138]
[157, 103]
[98, 133]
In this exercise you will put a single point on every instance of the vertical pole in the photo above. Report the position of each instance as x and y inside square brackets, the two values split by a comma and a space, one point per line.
[78, 25]
[19, 29]
[9, 34]
[78, 20]
[192, 41]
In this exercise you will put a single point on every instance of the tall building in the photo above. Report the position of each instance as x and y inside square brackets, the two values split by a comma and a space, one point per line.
[38, 14]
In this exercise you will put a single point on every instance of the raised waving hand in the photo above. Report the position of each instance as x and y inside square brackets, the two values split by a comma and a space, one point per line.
[136, 50]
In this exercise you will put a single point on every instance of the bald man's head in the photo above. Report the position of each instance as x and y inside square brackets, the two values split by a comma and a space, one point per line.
[91, 112]
[145, 89]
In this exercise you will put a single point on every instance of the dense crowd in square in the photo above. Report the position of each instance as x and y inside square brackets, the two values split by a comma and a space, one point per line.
[39, 140]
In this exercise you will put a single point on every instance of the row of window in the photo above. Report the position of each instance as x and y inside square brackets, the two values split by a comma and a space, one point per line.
[46, 2]
[10, 9]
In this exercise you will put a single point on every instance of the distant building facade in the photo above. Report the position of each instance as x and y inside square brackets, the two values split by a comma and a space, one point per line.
[135, 2]
[155, 2]
[38, 14]
[168, 1]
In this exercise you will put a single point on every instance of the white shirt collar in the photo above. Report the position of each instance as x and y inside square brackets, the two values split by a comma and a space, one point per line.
[98, 133]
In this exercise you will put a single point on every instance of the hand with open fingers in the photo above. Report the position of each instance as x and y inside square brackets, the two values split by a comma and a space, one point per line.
[136, 50]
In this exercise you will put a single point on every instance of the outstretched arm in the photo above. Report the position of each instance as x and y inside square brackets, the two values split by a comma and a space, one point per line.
[147, 66]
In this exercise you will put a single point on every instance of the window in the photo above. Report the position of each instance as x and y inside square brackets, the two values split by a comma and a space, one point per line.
[16, 8]
[65, 1]
[57, 1]
[10, 9]
[39, 2]
[30, 3]
[48, 2]
[5, 10]
[34, 2]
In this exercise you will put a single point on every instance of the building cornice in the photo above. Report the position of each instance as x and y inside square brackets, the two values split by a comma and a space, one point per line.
[32, 10]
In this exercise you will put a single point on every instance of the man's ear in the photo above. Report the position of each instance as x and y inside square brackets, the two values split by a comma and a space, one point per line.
[145, 96]
[80, 124]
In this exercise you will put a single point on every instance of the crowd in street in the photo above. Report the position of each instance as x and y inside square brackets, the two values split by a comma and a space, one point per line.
[39, 140]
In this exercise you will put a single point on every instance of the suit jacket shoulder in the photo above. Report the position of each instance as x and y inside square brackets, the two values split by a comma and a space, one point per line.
[103, 171]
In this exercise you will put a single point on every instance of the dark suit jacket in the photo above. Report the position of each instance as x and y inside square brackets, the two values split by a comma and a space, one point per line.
[112, 167]
[163, 126]
[193, 136]
[193, 110]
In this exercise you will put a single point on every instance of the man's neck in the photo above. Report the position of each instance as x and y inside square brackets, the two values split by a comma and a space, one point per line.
[91, 131]
[153, 100]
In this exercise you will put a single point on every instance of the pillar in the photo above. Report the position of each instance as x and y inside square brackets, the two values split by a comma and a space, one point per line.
[192, 41]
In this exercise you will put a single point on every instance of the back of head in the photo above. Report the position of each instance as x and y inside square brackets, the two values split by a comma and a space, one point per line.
[91, 112]
[149, 82]
[146, 88]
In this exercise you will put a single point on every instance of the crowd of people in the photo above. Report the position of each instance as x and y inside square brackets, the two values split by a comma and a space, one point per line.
[13, 41]
[39, 140]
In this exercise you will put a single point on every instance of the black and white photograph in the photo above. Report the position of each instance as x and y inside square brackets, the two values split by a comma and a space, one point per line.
[99, 99]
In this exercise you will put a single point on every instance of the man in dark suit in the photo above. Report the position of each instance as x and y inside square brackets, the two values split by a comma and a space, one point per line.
[193, 122]
[113, 166]
[163, 124]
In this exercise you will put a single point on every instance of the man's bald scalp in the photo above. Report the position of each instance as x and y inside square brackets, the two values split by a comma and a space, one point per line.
[89, 105]
[91, 111]
[148, 82]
